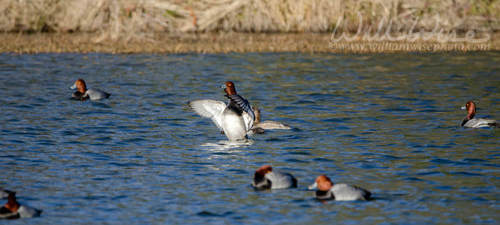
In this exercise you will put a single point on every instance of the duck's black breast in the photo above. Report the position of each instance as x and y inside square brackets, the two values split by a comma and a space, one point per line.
[78, 96]
[464, 121]
[324, 195]
[7, 214]
[261, 183]
[4, 210]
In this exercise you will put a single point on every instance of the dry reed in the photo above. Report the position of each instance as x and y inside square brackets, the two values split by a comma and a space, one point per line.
[118, 22]
[130, 18]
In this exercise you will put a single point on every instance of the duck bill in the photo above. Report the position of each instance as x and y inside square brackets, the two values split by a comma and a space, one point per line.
[223, 87]
[313, 186]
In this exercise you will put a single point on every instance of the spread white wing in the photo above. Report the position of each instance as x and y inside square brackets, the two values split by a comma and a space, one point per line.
[210, 109]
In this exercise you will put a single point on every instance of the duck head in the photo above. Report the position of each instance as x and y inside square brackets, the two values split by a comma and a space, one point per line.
[470, 106]
[322, 183]
[80, 86]
[229, 88]
[259, 179]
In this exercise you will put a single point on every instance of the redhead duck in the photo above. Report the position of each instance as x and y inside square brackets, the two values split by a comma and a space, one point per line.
[340, 192]
[266, 178]
[13, 210]
[470, 121]
[234, 119]
[259, 127]
[83, 93]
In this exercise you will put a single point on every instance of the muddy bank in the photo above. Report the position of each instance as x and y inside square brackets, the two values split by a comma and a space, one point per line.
[224, 43]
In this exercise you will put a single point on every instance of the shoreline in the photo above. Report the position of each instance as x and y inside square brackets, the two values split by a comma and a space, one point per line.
[168, 43]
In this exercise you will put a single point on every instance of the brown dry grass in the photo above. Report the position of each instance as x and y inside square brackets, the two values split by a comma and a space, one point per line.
[262, 25]
[224, 43]
[132, 19]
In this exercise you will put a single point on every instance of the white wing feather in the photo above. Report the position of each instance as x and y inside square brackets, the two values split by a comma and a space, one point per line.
[210, 109]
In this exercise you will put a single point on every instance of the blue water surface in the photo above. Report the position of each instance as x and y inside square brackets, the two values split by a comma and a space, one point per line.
[388, 123]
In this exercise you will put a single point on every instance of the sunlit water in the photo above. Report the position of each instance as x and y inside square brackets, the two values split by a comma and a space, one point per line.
[388, 123]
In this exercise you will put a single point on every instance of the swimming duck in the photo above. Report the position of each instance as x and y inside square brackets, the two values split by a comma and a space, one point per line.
[13, 210]
[235, 119]
[470, 121]
[83, 93]
[259, 127]
[340, 192]
[266, 178]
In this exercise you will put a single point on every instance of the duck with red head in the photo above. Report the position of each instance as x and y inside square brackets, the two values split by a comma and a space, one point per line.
[471, 122]
[236, 102]
[326, 190]
[235, 119]
[265, 178]
[83, 93]
[13, 210]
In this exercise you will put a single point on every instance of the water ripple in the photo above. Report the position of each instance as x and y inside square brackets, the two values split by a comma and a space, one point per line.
[388, 123]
